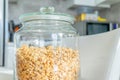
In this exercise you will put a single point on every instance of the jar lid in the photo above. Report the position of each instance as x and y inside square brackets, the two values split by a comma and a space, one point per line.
[46, 13]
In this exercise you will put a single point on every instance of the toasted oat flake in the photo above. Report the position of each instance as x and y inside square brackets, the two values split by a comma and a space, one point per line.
[40, 63]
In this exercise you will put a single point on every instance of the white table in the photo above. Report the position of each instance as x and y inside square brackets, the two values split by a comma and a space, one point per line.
[6, 74]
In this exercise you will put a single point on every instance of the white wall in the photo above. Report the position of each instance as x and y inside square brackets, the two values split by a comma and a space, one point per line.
[112, 14]
[25, 6]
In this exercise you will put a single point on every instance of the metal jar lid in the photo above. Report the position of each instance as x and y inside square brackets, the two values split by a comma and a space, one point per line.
[47, 13]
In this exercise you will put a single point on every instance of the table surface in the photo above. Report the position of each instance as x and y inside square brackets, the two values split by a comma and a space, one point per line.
[6, 70]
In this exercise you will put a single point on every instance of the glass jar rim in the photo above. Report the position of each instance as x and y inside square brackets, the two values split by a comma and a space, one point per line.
[46, 16]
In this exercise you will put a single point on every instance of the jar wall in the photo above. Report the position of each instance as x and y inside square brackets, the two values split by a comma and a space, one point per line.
[49, 53]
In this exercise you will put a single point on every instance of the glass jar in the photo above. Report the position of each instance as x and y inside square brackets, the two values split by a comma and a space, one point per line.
[46, 47]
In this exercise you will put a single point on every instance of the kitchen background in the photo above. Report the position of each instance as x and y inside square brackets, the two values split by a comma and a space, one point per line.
[112, 13]
[108, 11]
[18, 7]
